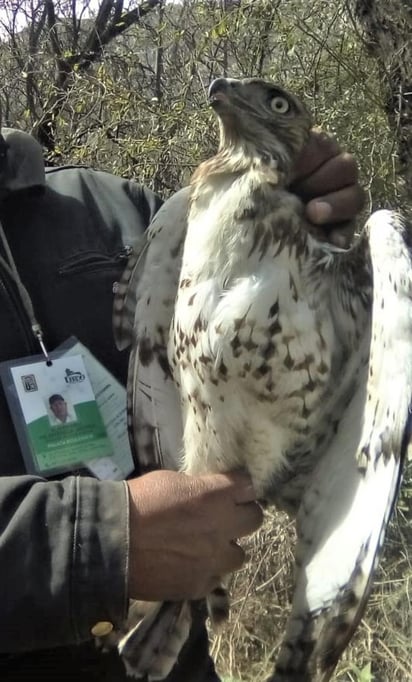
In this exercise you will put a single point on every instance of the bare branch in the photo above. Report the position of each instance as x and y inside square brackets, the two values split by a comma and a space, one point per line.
[52, 25]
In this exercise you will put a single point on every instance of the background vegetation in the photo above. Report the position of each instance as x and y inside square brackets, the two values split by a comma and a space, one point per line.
[122, 86]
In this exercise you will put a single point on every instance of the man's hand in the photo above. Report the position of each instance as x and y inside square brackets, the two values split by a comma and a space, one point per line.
[183, 532]
[327, 180]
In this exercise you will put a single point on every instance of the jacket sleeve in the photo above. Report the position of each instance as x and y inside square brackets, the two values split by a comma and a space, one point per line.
[64, 555]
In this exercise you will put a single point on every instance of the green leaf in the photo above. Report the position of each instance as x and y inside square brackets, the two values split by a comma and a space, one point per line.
[366, 674]
[220, 29]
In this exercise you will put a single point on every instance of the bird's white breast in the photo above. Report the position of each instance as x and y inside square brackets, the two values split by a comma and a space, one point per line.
[253, 339]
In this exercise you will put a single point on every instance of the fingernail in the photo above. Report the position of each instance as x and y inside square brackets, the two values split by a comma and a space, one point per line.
[320, 212]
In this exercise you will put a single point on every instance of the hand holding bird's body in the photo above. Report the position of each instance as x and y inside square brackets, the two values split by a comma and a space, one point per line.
[284, 366]
[182, 531]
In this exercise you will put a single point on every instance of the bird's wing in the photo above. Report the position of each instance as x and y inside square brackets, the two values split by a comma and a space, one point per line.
[345, 511]
[143, 311]
[125, 291]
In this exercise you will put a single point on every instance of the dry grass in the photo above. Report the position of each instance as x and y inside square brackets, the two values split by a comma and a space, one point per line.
[381, 650]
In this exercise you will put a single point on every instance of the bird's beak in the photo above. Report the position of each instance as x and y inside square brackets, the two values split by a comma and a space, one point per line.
[218, 97]
[218, 92]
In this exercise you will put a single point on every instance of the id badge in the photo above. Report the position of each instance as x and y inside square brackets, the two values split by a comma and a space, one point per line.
[68, 413]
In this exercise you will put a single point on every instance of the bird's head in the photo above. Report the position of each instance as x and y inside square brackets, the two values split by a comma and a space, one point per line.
[261, 119]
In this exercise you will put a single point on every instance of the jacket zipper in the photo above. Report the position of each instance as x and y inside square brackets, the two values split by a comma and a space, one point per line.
[90, 260]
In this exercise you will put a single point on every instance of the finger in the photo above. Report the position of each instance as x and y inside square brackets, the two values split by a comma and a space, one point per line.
[335, 207]
[340, 235]
[343, 236]
[230, 558]
[238, 485]
[320, 148]
[235, 557]
[336, 173]
[248, 518]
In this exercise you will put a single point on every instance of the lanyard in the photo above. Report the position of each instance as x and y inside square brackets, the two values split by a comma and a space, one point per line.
[12, 271]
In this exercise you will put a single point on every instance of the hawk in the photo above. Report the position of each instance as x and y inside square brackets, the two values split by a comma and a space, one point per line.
[256, 346]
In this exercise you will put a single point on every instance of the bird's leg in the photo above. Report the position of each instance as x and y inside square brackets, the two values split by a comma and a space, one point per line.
[218, 607]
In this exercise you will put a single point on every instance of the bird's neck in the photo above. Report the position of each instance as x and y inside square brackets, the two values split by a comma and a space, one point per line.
[235, 160]
[229, 216]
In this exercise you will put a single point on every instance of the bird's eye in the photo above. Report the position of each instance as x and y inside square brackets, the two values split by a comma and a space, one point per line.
[279, 104]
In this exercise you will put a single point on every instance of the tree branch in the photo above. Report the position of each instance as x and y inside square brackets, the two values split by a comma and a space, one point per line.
[104, 34]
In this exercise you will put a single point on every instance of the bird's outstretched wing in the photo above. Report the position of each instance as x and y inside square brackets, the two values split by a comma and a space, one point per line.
[345, 511]
[143, 310]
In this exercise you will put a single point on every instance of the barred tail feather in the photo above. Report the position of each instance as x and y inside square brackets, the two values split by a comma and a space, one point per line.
[152, 647]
